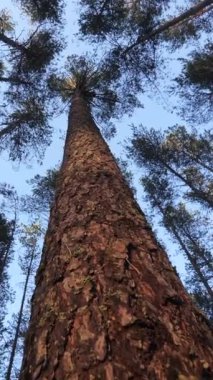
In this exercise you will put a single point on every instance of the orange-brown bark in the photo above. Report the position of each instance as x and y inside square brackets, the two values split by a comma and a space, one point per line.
[108, 304]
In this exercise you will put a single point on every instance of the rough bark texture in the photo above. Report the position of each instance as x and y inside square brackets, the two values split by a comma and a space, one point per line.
[108, 304]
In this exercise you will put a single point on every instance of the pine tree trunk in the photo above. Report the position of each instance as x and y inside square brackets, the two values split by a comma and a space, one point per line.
[108, 304]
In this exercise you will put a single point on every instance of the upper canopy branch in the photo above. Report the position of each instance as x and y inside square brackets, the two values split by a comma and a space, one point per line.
[13, 80]
[10, 42]
[192, 12]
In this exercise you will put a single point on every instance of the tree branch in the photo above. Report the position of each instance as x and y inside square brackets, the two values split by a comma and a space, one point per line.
[14, 80]
[10, 42]
[193, 12]
[7, 130]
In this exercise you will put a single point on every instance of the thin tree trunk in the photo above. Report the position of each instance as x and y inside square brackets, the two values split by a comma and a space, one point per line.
[8, 247]
[193, 263]
[196, 159]
[200, 194]
[107, 303]
[199, 250]
[195, 11]
[20, 316]
[172, 229]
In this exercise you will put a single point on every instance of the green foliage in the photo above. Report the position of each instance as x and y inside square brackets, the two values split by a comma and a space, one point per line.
[189, 230]
[119, 19]
[42, 10]
[9, 334]
[2, 68]
[133, 34]
[201, 298]
[120, 23]
[96, 83]
[180, 155]
[177, 166]
[26, 130]
[4, 230]
[29, 237]
[6, 24]
[180, 35]
[200, 71]
[7, 226]
[43, 192]
[131, 23]
[27, 102]
[100, 19]
[195, 85]
[41, 49]
[127, 173]
[34, 53]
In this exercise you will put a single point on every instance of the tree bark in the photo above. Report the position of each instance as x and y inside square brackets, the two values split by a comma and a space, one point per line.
[107, 303]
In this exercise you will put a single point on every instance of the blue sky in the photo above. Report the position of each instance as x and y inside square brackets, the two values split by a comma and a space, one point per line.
[154, 114]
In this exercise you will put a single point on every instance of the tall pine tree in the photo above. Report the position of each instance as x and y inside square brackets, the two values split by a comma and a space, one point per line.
[107, 303]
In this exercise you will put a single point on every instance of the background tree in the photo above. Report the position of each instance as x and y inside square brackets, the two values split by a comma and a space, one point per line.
[189, 230]
[178, 169]
[5, 295]
[29, 238]
[39, 202]
[8, 224]
[9, 334]
[179, 154]
[25, 65]
[140, 22]
[133, 35]
[43, 10]
[195, 85]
